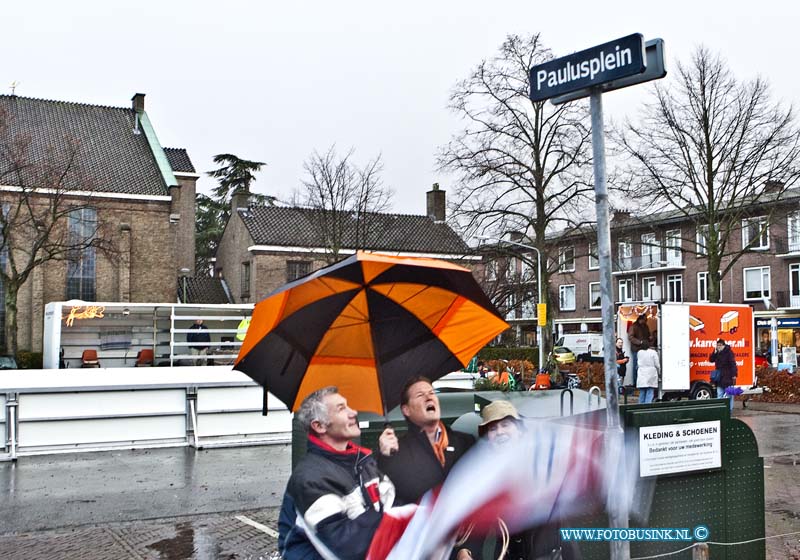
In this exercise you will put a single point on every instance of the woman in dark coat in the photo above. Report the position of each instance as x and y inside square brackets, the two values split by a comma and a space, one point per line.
[725, 362]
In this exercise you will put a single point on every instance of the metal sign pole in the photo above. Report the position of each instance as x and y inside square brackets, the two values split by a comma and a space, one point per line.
[618, 516]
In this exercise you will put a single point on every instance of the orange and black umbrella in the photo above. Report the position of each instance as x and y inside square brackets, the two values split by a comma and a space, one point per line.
[367, 324]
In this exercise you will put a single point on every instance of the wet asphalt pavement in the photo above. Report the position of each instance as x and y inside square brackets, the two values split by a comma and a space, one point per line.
[175, 504]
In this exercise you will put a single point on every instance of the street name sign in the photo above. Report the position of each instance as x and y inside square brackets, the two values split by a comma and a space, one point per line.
[655, 70]
[589, 68]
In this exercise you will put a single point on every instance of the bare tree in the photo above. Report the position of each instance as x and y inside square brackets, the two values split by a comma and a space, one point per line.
[36, 213]
[347, 198]
[716, 151]
[522, 166]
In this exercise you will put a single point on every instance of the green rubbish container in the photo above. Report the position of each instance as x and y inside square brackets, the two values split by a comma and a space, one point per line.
[728, 500]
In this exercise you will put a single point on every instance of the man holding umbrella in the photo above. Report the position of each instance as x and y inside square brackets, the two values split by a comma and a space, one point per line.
[422, 457]
[338, 493]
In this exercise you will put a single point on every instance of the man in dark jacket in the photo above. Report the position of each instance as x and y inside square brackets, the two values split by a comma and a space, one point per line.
[337, 490]
[725, 362]
[199, 340]
[638, 335]
[422, 457]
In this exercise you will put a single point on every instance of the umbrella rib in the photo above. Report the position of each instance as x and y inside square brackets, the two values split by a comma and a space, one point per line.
[322, 280]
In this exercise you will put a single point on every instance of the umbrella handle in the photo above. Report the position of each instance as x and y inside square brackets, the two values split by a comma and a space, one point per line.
[387, 424]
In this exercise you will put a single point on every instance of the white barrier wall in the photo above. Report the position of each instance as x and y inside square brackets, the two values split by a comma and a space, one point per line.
[111, 408]
[57, 411]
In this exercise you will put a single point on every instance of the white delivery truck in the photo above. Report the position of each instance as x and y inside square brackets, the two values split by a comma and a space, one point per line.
[687, 333]
[587, 347]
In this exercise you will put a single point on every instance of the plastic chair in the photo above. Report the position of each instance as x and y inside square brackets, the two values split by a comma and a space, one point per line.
[144, 358]
[89, 359]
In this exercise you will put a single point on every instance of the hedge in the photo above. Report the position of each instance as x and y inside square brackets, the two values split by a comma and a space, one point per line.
[499, 353]
[29, 360]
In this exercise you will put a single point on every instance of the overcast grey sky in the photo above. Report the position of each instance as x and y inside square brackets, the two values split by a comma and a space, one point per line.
[272, 81]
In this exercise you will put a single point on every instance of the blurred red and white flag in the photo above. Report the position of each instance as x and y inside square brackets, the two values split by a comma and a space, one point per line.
[554, 471]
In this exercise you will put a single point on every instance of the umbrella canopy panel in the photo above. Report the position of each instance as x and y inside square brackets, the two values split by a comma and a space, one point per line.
[367, 327]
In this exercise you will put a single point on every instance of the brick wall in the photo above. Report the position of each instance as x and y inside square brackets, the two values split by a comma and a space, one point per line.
[184, 205]
[231, 253]
[144, 271]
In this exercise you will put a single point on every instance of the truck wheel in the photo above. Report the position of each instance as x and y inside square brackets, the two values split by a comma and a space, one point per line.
[701, 391]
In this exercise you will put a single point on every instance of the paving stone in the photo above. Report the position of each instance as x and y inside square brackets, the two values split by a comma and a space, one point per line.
[204, 537]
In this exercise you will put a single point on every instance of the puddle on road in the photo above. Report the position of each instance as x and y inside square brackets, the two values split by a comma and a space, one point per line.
[187, 544]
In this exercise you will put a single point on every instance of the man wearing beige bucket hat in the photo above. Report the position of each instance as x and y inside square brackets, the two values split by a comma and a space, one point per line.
[501, 425]
[501, 422]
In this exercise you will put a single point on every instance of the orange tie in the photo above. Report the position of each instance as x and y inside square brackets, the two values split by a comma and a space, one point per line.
[441, 444]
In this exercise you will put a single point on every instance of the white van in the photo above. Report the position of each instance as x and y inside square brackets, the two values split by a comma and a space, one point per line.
[587, 347]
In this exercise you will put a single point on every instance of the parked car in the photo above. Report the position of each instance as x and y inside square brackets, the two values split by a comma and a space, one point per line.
[8, 362]
[563, 355]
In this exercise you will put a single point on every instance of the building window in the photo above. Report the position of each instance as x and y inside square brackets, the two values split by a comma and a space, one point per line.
[594, 295]
[673, 243]
[650, 250]
[755, 233]
[245, 279]
[625, 254]
[526, 268]
[298, 269]
[756, 282]
[794, 232]
[528, 306]
[794, 285]
[625, 290]
[702, 287]
[566, 297]
[566, 259]
[594, 262]
[81, 273]
[648, 287]
[3, 264]
[702, 240]
[511, 306]
[675, 288]
[491, 271]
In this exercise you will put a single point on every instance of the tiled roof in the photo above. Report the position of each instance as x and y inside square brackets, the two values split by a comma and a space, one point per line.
[203, 290]
[179, 160]
[112, 156]
[299, 227]
[623, 220]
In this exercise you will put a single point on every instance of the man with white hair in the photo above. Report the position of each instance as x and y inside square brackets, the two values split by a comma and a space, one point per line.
[338, 493]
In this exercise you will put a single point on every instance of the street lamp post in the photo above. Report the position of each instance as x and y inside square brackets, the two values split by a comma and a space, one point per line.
[538, 287]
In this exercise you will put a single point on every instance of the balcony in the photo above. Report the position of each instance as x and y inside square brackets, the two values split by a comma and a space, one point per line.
[787, 247]
[785, 300]
[658, 261]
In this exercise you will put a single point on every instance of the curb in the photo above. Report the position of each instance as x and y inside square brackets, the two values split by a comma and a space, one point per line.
[785, 408]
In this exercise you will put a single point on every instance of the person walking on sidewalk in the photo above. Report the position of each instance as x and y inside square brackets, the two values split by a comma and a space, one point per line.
[725, 362]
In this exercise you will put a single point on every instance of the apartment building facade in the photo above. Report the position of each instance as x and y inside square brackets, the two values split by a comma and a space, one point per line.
[663, 258]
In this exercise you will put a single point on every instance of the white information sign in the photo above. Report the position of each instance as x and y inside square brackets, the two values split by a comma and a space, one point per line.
[675, 448]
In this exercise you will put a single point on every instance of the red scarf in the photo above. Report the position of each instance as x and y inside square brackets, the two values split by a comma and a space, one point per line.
[351, 449]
